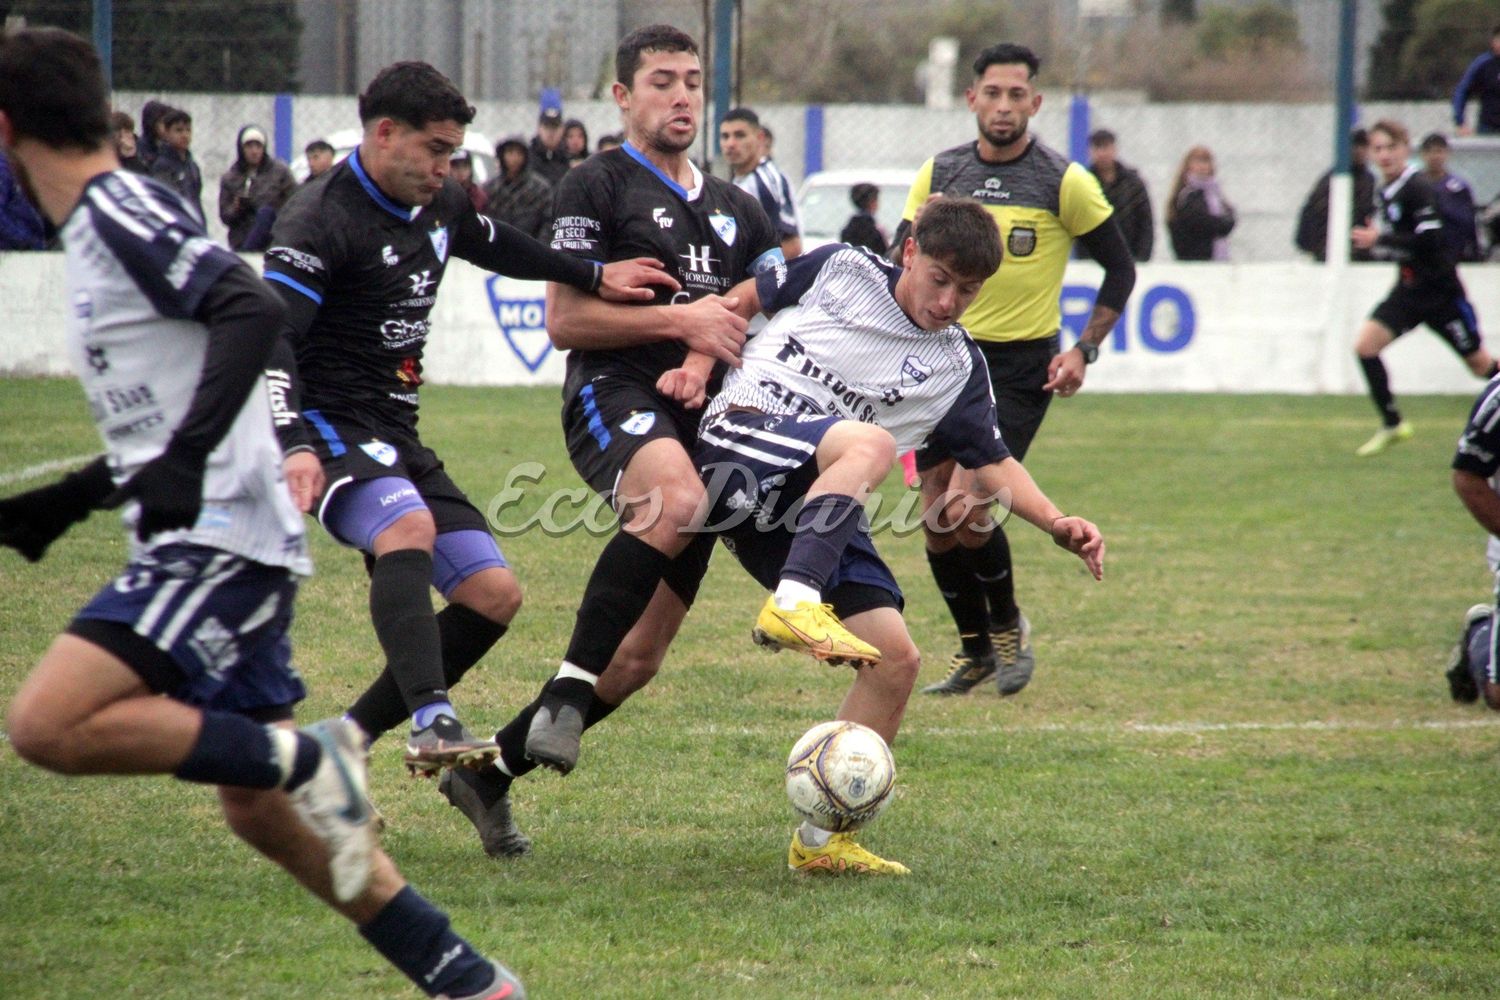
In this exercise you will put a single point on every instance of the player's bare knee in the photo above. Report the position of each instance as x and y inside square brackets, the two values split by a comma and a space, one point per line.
[499, 600]
[901, 666]
[37, 742]
[1480, 363]
[415, 530]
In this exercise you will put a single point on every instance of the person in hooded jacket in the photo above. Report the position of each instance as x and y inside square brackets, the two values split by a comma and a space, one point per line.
[152, 112]
[252, 191]
[517, 194]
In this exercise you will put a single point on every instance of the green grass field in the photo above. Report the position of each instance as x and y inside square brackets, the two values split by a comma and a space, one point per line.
[1238, 772]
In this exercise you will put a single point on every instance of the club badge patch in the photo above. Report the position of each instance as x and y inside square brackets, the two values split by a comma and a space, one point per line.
[725, 226]
[439, 239]
[380, 452]
[1022, 241]
[639, 423]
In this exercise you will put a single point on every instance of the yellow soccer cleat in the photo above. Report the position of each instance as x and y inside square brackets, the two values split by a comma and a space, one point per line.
[841, 855]
[1384, 438]
[815, 630]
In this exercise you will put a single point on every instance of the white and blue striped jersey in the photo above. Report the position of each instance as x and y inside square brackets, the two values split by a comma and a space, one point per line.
[1479, 451]
[138, 266]
[839, 344]
[770, 187]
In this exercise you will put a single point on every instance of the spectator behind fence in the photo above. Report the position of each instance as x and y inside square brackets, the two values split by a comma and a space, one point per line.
[1312, 221]
[1455, 200]
[608, 141]
[1481, 82]
[1199, 217]
[21, 225]
[319, 158]
[549, 158]
[517, 194]
[127, 146]
[252, 191]
[744, 143]
[151, 137]
[461, 166]
[862, 230]
[1126, 193]
[575, 142]
[174, 165]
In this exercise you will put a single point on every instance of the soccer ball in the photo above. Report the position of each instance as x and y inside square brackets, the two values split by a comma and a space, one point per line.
[840, 776]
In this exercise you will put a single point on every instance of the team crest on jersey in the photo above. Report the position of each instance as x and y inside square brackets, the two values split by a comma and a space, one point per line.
[380, 452]
[639, 423]
[725, 226]
[1022, 241]
[387, 254]
[913, 371]
[439, 239]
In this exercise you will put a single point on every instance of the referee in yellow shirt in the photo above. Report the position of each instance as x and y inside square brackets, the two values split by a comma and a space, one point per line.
[1042, 203]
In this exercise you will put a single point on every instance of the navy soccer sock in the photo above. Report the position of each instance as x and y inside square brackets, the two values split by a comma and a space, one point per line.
[992, 567]
[825, 526]
[401, 611]
[1380, 390]
[233, 750]
[416, 938]
[464, 635]
[953, 571]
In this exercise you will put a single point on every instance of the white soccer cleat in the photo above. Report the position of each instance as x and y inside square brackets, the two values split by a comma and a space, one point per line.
[334, 804]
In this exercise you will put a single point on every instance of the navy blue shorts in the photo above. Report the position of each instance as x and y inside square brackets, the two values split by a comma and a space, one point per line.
[205, 627]
[757, 468]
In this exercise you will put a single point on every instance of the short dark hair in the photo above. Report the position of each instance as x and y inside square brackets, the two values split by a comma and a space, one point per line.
[414, 94]
[1434, 140]
[174, 116]
[52, 89]
[961, 234]
[743, 115]
[1007, 54]
[1394, 129]
[317, 146]
[863, 196]
[1359, 137]
[1101, 137]
[651, 38]
[120, 121]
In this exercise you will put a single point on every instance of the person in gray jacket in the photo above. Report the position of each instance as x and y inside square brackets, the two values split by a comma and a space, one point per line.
[252, 191]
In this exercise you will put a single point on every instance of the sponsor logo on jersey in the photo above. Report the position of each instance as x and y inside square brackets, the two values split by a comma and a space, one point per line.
[1021, 242]
[380, 451]
[97, 359]
[914, 371]
[699, 260]
[993, 188]
[388, 254]
[724, 226]
[439, 239]
[421, 282]
[298, 259]
[402, 333]
[639, 423]
[661, 218]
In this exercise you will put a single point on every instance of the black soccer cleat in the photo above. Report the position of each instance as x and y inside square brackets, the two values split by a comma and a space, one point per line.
[1016, 658]
[467, 791]
[1460, 675]
[968, 673]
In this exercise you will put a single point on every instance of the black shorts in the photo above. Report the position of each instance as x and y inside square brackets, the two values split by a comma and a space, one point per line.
[605, 423]
[1447, 311]
[354, 454]
[1018, 370]
[611, 418]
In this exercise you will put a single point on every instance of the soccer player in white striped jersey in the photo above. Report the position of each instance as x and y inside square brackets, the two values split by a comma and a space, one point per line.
[861, 360]
[181, 665]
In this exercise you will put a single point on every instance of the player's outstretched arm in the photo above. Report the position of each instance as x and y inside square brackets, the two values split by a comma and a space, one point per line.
[1106, 244]
[31, 521]
[243, 316]
[1482, 502]
[1009, 480]
[688, 383]
[578, 321]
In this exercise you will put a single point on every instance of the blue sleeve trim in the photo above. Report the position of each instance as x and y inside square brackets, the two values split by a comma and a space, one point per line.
[277, 276]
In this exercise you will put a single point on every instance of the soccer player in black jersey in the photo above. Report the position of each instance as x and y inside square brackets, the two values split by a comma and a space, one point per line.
[628, 440]
[1428, 290]
[358, 256]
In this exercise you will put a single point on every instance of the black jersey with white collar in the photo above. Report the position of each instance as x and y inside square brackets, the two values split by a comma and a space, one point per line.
[617, 205]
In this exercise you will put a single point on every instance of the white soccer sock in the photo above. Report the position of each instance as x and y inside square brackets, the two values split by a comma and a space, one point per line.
[284, 747]
[790, 593]
[812, 836]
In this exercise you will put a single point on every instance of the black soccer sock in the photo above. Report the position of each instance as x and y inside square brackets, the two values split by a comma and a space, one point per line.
[992, 567]
[416, 938]
[622, 584]
[464, 635]
[954, 573]
[512, 740]
[825, 526]
[401, 609]
[1380, 390]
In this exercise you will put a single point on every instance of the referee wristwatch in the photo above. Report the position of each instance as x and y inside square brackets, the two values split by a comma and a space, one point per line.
[1089, 351]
